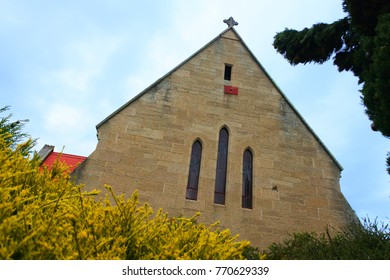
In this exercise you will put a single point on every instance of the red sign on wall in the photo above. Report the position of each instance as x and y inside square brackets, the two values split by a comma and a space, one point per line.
[230, 90]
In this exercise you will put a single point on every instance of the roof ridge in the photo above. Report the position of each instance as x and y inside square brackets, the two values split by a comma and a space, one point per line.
[67, 154]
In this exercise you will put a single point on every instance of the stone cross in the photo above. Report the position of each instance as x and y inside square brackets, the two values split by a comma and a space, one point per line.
[230, 22]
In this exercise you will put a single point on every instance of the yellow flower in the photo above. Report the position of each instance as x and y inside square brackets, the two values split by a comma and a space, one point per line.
[83, 234]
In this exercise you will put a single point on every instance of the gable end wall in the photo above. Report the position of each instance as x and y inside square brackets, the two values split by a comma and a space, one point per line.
[146, 145]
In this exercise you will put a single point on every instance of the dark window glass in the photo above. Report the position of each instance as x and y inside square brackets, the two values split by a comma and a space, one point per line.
[228, 72]
[193, 174]
[247, 169]
[220, 177]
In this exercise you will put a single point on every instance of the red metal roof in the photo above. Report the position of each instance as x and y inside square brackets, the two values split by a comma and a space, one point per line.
[71, 160]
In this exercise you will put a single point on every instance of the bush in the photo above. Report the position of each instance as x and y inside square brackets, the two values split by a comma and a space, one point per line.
[43, 215]
[367, 241]
[13, 133]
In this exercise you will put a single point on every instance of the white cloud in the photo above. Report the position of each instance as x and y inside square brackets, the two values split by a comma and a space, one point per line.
[70, 126]
[63, 118]
[84, 61]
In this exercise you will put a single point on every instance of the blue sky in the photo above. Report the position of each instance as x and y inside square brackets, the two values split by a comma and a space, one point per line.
[66, 65]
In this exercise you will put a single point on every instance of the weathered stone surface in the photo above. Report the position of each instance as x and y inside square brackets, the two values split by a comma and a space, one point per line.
[146, 145]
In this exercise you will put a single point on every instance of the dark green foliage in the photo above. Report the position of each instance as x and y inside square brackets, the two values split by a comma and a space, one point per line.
[14, 132]
[315, 44]
[376, 89]
[357, 242]
[359, 43]
[253, 253]
[388, 163]
[364, 14]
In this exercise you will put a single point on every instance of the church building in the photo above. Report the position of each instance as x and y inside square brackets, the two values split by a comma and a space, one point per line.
[216, 135]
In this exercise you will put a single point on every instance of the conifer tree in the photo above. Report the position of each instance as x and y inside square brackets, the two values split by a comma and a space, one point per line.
[360, 43]
[14, 134]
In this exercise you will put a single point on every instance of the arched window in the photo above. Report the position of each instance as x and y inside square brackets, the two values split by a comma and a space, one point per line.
[193, 174]
[247, 171]
[220, 177]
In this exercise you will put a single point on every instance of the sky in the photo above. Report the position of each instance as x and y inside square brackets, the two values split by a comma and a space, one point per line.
[66, 65]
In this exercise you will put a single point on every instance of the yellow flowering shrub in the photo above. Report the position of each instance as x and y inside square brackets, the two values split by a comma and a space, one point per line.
[43, 215]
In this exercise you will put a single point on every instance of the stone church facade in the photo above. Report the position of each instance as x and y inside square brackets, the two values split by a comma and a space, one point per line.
[216, 135]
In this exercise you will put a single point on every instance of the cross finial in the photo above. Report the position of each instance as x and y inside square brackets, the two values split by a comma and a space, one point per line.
[230, 22]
